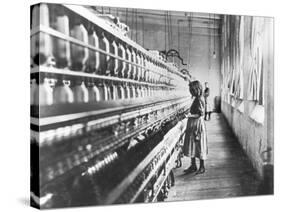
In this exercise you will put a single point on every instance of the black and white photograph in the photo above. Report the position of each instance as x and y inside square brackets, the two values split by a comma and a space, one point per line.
[132, 105]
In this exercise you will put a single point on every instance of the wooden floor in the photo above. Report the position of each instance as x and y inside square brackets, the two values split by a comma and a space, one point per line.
[228, 170]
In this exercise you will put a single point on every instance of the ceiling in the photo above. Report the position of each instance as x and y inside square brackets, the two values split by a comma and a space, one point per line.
[198, 21]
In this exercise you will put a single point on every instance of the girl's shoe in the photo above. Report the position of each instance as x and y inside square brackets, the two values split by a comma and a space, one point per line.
[201, 170]
[191, 169]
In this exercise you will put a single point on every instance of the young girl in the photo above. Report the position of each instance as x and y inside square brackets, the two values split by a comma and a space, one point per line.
[195, 144]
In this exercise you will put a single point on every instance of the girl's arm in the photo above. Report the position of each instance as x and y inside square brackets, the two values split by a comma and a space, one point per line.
[194, 116]
[189, 115]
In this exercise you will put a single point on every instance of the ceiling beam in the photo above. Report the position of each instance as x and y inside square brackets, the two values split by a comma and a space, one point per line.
[174, 14]
[203, 34]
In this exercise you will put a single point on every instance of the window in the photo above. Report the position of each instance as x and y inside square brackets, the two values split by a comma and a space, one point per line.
[256, 85]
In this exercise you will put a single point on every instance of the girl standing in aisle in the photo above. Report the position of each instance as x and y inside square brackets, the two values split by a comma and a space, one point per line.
[195, 143]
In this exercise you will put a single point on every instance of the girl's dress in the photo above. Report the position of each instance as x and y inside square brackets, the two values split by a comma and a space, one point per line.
[195, 143]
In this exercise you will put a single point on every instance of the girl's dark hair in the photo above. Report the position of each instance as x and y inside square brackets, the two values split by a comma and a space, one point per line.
[195, 88]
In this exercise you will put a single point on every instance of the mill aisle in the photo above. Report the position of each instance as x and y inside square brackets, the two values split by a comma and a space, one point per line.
[229, 172]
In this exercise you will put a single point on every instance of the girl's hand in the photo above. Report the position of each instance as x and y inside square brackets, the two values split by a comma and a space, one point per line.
[187, 115]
